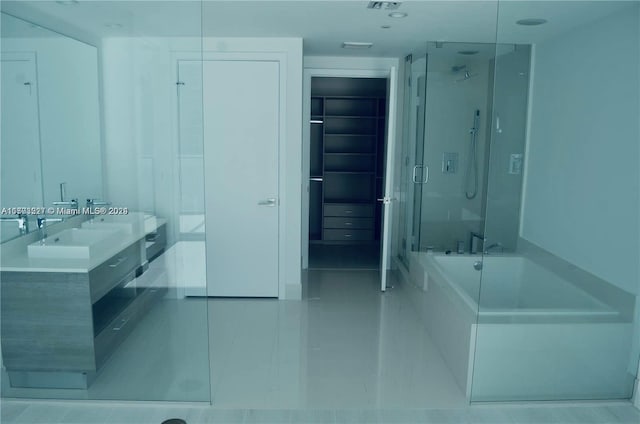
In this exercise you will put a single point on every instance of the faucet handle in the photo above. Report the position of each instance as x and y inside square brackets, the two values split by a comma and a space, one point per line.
[97, 202]
[73, 203]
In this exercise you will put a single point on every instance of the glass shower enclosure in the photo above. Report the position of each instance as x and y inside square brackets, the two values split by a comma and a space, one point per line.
[506, 205]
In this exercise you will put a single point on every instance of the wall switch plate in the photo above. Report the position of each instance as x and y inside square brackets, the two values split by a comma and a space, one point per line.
[449, 163]
[515, 164]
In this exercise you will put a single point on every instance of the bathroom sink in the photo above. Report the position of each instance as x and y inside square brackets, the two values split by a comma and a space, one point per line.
[74, 243]
[130, 224]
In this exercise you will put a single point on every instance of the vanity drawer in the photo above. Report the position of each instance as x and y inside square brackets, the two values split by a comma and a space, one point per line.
[347, 235]
[107, 275]
[348, 223]
[348, 209]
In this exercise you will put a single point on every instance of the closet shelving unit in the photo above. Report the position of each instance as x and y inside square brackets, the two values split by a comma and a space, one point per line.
[347, 158]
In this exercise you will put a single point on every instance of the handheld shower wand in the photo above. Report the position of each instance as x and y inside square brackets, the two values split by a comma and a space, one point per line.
[472, 165]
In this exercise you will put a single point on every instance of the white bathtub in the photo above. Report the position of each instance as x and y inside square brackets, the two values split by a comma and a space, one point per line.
[511, 285]
[535, 335]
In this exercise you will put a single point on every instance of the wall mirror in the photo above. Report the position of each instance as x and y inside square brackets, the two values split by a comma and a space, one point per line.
[51, 136]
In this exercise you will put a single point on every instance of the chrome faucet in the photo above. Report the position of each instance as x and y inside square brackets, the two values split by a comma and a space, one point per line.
[492, 246]
[21, 219]
[474, 235]
[42, 225]
[73, 203]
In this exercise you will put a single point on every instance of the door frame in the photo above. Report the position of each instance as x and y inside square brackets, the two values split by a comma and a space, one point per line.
[377, 70]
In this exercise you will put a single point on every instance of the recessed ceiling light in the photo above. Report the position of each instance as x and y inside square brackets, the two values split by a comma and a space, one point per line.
[397, 15]
[356, 45]
[68, 2]
[468, 52]
[531, 21]
[385, 26]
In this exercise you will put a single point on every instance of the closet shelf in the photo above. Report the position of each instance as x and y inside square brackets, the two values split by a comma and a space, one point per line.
[354, 116]
[349, 135]
[351, 97]
[349, 172]
[349, 154]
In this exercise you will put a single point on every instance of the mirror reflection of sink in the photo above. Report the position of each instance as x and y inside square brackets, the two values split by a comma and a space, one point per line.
[130, 224]
[74, 243]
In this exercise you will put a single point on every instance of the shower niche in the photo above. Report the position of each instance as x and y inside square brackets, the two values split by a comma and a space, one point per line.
[347, 159]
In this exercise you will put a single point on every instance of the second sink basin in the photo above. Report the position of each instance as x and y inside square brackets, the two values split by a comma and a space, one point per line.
[130, 224]
[74, 243]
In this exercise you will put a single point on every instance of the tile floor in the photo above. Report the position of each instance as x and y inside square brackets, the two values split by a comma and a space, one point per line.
[64, 412]
[345, 354]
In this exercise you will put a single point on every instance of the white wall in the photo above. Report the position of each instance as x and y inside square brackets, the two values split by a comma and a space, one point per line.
[582, 184]
[141, 147]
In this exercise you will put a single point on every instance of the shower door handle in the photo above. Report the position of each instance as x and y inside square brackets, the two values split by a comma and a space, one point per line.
[425, 173]
[415, 174]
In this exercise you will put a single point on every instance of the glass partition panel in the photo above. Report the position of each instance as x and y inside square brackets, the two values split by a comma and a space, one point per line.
[558, 315]
[94, 294]
[445, 152]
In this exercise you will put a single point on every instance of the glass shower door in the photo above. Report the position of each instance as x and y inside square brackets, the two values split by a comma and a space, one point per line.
[412, 172]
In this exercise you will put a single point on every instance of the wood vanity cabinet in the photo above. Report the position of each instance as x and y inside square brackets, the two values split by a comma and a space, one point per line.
[59, 328]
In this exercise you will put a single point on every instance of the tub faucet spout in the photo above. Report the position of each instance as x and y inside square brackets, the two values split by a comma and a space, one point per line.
[493, 246]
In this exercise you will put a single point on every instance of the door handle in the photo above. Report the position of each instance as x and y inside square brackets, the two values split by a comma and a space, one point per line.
[271, 202]
[386, 200]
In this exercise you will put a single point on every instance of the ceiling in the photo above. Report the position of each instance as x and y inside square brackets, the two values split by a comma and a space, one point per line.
[323, 25]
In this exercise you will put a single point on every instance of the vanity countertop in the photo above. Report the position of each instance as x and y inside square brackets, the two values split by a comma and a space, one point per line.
[16, 259]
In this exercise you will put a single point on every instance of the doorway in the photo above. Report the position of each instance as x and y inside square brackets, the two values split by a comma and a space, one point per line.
[346, 172]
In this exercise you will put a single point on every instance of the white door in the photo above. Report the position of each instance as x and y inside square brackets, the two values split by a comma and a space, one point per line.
[241, 110]
[387, 200]
[20, 173]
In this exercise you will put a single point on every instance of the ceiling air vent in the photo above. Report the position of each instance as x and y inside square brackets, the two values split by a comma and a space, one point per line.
[385, 5]
[356, 45]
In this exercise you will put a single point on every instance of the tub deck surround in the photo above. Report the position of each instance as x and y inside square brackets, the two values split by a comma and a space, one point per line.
[63, 318]
[512, 288]
[532, 327]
